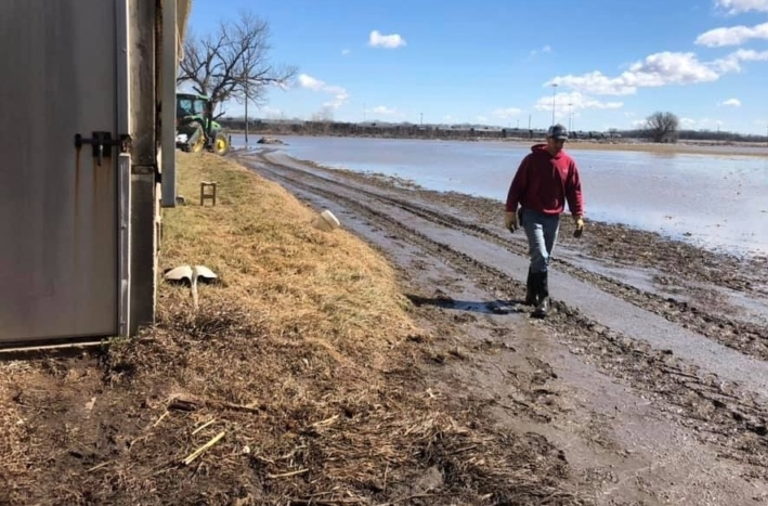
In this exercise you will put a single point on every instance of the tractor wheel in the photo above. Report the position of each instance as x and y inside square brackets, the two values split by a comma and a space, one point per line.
[197, 139]
[221, 144]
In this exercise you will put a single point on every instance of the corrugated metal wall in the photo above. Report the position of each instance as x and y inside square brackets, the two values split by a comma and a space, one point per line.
[58, 205]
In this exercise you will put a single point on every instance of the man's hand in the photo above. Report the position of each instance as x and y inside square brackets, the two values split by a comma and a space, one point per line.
[579, 226]
[510, 221]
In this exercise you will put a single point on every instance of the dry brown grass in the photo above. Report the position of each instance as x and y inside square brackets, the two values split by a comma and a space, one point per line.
[713, 149]
[688, 148]
[301, 354]
[276, 266]
[14, 437]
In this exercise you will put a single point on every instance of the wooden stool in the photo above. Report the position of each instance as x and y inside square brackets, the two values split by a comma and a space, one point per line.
[207, 185]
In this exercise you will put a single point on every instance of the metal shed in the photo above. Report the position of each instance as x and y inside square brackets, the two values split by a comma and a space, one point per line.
[87, 101]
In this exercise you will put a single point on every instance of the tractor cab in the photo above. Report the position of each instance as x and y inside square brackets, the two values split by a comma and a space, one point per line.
[191, 106]
[195, 131]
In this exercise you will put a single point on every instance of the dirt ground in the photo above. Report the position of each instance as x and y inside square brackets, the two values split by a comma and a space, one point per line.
[647, 385]
[625, 387]
[302, 378]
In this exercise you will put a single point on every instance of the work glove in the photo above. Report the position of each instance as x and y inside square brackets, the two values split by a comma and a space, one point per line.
[510, 221]
[579, 221]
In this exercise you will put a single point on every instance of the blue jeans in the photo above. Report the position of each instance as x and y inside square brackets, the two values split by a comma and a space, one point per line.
[541, 230]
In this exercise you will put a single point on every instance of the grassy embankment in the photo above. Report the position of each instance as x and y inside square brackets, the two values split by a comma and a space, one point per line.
[301, 360]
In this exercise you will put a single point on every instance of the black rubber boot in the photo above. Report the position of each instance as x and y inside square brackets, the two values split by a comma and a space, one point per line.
[530, 291]
[542, 292]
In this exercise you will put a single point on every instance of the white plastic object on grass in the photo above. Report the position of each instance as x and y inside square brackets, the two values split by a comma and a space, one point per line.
[326, 221]
[191, 273]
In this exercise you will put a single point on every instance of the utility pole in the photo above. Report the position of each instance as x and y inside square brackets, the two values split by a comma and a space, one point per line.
[363, 112]
[554, 101]
[246, 113]
[570, 115]
[421, 119]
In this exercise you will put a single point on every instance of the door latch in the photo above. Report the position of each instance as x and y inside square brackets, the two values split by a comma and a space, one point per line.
[102, 143]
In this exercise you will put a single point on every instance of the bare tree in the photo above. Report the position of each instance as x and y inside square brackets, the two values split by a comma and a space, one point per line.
[662, 126]
[232, 63]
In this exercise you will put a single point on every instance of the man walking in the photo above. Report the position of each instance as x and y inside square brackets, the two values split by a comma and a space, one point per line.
[546, 178]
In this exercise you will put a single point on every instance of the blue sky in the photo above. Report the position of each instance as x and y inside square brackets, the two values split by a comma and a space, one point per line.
[495, 62]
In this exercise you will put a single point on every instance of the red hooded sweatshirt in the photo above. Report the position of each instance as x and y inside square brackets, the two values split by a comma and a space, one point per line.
[543, 183]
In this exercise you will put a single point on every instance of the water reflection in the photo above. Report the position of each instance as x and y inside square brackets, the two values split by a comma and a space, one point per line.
[716, 201]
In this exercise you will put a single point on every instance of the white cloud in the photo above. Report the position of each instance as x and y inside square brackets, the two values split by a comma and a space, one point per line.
[732, 62]
[541, 50]
[307, 81]
[687, 123]
[667, 68]
[594, 82]
[340, 95]
[737, 6]
[345, 52]
[732, 36]
[659, 69]
[731, 102]
[566, 103]
[506, 113]
[750, 55]
[700, 124]
[481, 119]
[384, 111]
[392, 41]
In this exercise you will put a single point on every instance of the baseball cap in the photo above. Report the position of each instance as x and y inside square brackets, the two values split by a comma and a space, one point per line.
[557, 132]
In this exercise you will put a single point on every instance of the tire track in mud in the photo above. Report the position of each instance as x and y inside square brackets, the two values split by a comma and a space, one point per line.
[748, 338]
[715, 411]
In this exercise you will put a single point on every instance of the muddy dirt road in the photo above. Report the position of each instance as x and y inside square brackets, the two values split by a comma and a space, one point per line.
[650, 377]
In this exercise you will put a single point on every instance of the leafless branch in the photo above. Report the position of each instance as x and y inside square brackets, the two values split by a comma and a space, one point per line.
[233, 63]
[662, 126]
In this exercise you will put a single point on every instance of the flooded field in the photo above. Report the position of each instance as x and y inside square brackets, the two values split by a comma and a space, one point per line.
[712, 200]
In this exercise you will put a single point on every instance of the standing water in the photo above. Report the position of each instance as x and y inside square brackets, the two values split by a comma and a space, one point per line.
[716, 201]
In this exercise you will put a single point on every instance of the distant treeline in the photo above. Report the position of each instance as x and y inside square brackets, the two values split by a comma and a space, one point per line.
[456, 132]
[701, 135]
[376, 130]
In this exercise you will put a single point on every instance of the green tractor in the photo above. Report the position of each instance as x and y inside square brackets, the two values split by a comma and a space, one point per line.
[195, 128]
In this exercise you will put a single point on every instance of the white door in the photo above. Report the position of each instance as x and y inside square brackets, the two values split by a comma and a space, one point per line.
[58, 204]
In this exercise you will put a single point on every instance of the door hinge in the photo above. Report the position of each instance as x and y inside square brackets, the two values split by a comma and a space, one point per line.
[102, 143]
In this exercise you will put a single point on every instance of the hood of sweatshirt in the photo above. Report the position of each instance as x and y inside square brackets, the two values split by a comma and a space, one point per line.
[541, 149]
